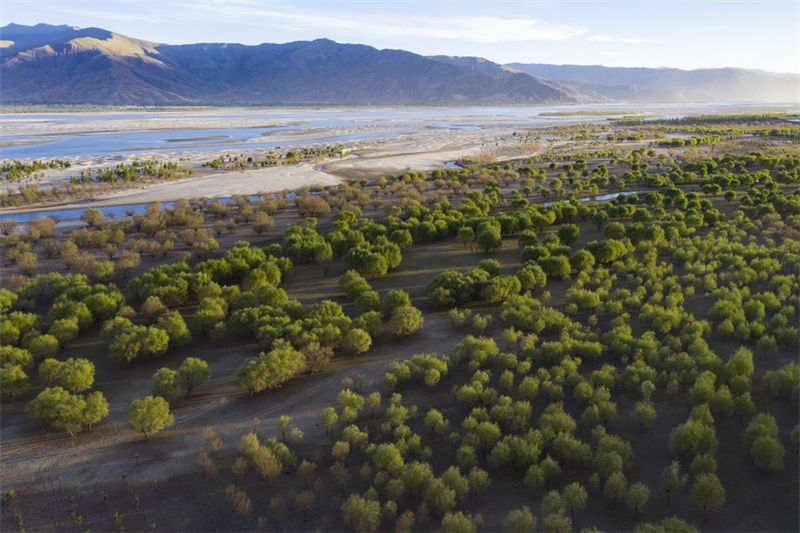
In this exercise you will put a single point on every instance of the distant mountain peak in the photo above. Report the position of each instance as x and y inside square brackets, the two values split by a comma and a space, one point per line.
[49, 64]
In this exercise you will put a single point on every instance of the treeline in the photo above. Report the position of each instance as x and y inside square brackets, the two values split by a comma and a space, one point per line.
[705, 119]
[16, 170]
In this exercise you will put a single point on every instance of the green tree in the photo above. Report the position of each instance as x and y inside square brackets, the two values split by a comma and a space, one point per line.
[392, 300]
[637, 497]
[568, 233]
[270, 370]
[56, 408]
[329, 419]
[643, 414]
[356, 341]
[520, 520]
[405, 320]
[489, 240]
[42, 346]
[150, 415]
[12, 380]
[165, 383]
[388, 457]
[668, 525]
[708, 492]
[175, 327]
[284, 423]
[459, 522]
[75, 375]
[673, 479]
[192, 373]
[616, 487]
[64, 330]
[767, 453]
[574, 498]
[360, 514]
[556, 523]
[466, 235]
[557, 266]
[96, 409]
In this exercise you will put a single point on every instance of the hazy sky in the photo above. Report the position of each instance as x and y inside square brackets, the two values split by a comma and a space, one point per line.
[676, 33]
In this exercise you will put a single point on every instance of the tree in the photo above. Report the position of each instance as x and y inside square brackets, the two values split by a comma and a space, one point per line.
[435, 422]
[96, 409]
[478, 480]
[643, 414]
[531, 276]
[284, 423]
[489, 240]
[152, 307]
[637, 497]
[673, 479]
[262, 223]
[552, 503]
[150, 415]
[460, 523]
[165, 383]
[369, 322]
[270, 370]
[356, 341]
[615, 487]
[568, 233]
[75, 375]
[388, 457]
[767, 453]
[520, 520]
[393, 299]
[581, 260]
[574, 498]
[56, 408]
[668, 525]
[556, 523]
[466, 235]
[12, 380]
[368, 301]
[360, 514]
[192, 373]
[557, 266]
[42, 346]
[64, 330]
[329, 419]
[405, 320]
[93, 217]
[27, 263]
[760, 438]
[708, 492]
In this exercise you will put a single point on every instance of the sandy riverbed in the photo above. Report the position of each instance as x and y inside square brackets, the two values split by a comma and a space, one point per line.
[424, 149]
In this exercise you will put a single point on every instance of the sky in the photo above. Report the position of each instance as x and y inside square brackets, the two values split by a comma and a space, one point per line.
[684, 34]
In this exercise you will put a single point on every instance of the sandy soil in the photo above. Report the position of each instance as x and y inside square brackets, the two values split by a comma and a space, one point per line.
[224, 184]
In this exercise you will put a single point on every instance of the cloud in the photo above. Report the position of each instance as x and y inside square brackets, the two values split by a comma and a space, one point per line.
[477, 29]
[600, 38]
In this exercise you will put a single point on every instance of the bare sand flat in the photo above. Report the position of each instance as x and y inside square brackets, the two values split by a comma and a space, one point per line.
[223, 185]
[388, 145]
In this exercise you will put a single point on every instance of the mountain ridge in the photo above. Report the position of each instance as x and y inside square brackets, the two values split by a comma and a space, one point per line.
[45, 64]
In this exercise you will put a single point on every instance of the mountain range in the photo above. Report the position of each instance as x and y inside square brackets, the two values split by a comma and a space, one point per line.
[45, 64]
